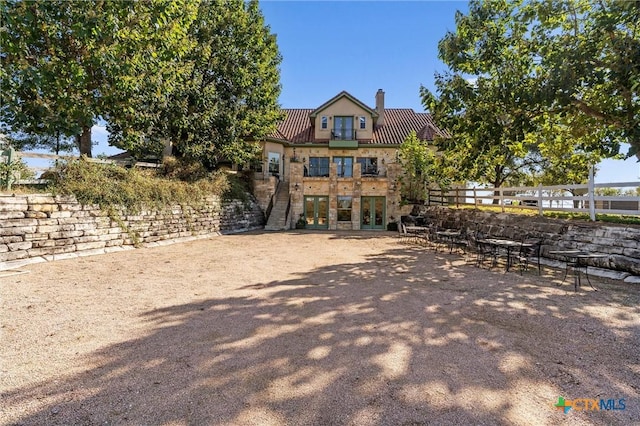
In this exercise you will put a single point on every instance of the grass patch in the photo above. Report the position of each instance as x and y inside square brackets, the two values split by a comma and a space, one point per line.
[609, 218]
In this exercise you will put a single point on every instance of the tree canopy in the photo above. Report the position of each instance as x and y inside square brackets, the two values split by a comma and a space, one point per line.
[202, 75]
[66, 64]
[538, 88]
[228, 93]
[422, 167]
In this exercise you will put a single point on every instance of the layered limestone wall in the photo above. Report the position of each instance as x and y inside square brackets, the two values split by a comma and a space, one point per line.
[621, 242]
[50, 227]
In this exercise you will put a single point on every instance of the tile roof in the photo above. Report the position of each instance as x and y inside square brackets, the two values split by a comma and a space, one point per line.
[295, 127]
[398, 123]
[344, 94]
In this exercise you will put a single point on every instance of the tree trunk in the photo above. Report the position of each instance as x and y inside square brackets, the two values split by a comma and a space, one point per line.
[497, 182]
[496, 200]
[84, 142]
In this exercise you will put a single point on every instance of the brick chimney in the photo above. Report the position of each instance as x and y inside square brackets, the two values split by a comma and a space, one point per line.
[380, 107]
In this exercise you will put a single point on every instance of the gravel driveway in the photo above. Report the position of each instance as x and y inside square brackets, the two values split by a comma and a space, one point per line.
[310, 328]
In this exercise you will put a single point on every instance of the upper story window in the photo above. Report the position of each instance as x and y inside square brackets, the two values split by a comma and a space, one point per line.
[318, 167]
[323, 122]
[363, 122]
[343, 128]
[369, 166]
[345, 166]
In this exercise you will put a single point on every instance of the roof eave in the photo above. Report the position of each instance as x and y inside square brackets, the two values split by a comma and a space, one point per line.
[340, 95]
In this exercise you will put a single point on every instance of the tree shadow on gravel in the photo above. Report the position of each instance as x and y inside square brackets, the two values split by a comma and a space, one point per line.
[407, 337]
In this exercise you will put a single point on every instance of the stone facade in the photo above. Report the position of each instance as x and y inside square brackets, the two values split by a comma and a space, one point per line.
[264, 187]
[621, 242]
[320, 153]
[52, 227]
[385, 184]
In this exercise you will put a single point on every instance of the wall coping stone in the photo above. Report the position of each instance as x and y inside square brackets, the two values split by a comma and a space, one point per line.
[632, 279]
[15, 264]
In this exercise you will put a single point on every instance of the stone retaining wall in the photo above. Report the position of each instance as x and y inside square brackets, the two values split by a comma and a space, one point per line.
[621, 242]
[56, 227]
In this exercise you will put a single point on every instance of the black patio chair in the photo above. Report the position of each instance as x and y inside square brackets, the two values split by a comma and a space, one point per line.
[462, 242]
[485, 251]
[529, 250]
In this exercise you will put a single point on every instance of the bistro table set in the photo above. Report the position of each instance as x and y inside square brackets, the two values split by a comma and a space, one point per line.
[494, 249]
[578, 260]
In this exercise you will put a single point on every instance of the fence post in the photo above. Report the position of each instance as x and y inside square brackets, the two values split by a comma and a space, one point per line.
[457, 195]
[540, 199]
[502, 200]
[475, 198]
[9, 153]
[592, 198]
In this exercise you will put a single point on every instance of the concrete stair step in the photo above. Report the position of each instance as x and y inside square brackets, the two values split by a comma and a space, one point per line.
[277, 219]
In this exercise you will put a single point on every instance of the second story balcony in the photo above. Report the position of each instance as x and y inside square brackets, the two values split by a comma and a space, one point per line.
[343, 134]
[341, 168]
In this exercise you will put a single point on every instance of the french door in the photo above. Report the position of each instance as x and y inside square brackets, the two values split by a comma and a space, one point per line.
[316, 212]
[343, 128]
[372, 212]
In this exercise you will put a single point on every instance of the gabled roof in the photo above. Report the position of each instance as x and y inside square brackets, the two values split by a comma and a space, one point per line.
[295, 128]
[343, 94]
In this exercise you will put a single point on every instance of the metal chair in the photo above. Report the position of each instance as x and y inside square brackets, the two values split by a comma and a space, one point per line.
[530, 249]
[462, 242]
[404, 235]
[485, 251]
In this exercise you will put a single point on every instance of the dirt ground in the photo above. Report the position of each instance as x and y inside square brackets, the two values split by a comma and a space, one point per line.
[304, 328]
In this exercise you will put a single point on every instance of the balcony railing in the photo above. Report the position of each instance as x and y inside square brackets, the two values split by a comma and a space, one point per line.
[322, 171]
[370, 171]
[345, 172]
[343, 134]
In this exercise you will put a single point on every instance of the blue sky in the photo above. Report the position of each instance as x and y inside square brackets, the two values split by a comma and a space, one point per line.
[363, 46]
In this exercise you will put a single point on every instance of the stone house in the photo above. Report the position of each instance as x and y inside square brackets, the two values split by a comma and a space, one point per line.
[336, 166]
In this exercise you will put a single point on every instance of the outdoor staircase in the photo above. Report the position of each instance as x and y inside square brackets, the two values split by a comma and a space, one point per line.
[277, 220]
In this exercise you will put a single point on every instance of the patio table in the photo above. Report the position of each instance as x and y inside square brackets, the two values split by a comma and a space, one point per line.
[450, 235]
[507, 245]
[578, 259]
[417, 231]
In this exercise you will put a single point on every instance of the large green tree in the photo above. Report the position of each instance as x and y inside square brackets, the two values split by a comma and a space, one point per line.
[510, 80]
[66, 64]
[589, 61]
[422, 168]
[228, 94]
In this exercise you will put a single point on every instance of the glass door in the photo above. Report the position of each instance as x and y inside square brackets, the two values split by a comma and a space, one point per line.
[343, 128]
[372, 213]
[316, 212]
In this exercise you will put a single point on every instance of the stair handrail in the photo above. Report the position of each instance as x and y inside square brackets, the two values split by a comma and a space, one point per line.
[270, 206]
[286, 214]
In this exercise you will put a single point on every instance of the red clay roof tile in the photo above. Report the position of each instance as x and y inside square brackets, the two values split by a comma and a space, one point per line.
[296, 127]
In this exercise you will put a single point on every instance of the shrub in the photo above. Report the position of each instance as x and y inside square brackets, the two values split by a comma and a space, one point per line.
[13, 171]
[109, 186]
